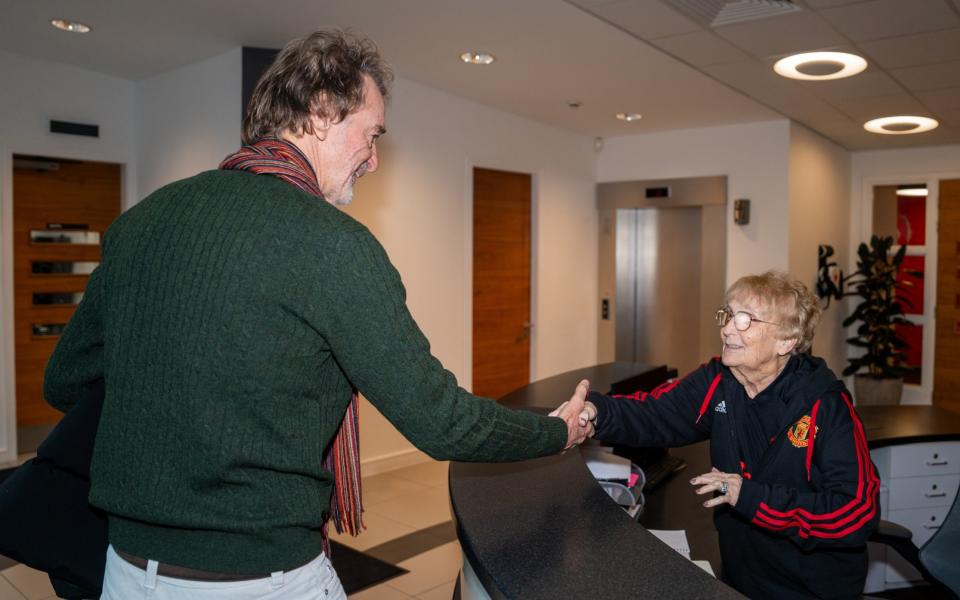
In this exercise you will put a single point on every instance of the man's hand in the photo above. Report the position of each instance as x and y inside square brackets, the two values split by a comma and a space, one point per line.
[728, 484]
[573, 412]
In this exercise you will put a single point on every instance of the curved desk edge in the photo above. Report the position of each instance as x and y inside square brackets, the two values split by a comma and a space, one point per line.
[543, 528]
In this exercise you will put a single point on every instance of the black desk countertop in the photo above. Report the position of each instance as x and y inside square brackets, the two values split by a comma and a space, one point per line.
[893, 425]
[543, 528]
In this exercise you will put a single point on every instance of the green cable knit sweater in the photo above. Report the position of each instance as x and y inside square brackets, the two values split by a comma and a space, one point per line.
[231, 316]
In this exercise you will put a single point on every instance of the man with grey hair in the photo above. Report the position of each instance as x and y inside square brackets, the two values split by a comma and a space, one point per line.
[235, 317]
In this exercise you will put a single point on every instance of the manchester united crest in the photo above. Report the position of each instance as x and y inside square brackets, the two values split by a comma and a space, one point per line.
[798, 432]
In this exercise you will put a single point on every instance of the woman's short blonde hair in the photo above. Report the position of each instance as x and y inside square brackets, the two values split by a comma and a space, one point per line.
[790, 302]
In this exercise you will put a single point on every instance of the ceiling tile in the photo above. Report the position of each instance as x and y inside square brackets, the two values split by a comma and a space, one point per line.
[929, 77]
[864, 109]
[783, 95]
[941, 101]
[591, 3]
[845, 132]
[917, 49]
[949, 118]
[818, 4]
[786, 34]
[872, 82]
[890, 18]
[646, 19]
[701, 48]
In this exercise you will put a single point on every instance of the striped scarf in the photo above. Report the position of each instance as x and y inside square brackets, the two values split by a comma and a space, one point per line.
[284, 160]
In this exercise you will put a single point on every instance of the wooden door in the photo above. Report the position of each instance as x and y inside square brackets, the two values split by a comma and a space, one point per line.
[60, 210]
[501, 282]
[946, 375]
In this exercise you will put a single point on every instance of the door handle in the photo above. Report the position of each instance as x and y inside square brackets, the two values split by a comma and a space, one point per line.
[937, 463]
[525, 332]
[938, 495]
[931, 527]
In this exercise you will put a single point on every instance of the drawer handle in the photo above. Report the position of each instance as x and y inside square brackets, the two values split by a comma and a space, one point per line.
[938, 495]
[937, 463]
[931, 527]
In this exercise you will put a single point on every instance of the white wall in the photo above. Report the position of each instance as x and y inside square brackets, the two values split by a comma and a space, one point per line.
[419, 206]
[754, 157]
[188, 120]
[820, 214]
[34, 92]
[928, 165]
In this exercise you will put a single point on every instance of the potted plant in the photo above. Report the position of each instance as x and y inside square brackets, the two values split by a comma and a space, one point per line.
[880, 369]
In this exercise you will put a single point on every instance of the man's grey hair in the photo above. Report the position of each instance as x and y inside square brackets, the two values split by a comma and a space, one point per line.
[320, 74]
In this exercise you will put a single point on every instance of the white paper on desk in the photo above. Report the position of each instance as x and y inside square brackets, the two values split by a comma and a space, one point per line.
[705, 565]
[605, 465]
[675, 538]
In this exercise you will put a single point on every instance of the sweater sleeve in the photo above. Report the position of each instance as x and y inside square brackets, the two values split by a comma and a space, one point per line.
[673, 414]
[77, 360]
[842, 509]
[385, 356]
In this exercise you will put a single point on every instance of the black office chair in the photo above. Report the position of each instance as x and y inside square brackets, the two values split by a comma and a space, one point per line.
[937, 559]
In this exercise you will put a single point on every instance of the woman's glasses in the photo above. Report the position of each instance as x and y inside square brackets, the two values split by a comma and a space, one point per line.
[741, 320]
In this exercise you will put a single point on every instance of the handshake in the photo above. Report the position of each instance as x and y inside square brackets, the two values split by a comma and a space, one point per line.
[579, 415]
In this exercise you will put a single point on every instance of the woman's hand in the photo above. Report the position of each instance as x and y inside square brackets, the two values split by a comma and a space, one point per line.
[574, 412]
[728, 484]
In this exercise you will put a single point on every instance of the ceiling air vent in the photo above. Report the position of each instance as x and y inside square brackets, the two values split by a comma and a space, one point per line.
[726, 12]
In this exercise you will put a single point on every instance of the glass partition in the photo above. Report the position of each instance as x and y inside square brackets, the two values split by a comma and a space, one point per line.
[59, 298]
[900, 211]
[62, 268]
[60, 236]
[48, 329]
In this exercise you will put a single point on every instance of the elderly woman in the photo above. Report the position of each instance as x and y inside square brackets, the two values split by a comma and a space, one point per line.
[795, 491]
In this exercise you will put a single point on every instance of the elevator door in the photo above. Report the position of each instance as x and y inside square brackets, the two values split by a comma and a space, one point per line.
[661, 255]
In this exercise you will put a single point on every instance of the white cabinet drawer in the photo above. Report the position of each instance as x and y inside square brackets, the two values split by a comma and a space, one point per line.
[933, 458]
[923, 492]
[923, 522]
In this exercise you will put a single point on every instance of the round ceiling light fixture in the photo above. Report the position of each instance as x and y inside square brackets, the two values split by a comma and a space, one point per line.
[71, 26]
[902, 125]
[629, 117]
[477, 58]
[820, 66]
[913, 189]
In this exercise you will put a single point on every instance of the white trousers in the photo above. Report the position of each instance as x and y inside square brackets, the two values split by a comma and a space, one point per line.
[315, 580]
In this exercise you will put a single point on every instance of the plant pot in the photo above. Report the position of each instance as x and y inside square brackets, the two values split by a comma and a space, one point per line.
[875, 391]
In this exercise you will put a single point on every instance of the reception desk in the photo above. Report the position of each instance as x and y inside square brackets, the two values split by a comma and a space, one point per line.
[543, 528]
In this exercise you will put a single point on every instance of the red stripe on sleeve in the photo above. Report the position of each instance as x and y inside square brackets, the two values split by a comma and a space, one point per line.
[863, 504]
[706, 399]
[813, 435]
[664, 387]
[639, 396]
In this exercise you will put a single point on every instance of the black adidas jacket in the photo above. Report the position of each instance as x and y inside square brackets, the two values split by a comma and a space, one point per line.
[809, 499]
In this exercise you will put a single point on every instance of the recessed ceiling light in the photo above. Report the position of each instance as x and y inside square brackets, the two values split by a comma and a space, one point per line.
[820, 66]
[71, 26]
[477, 58]
[629, 117]
[917, 189]
[903, 125]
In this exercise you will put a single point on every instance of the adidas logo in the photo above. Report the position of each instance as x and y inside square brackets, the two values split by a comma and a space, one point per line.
[722, 407]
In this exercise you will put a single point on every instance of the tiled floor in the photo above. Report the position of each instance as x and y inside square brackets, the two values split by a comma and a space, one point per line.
[398, 504]
[20, 582]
